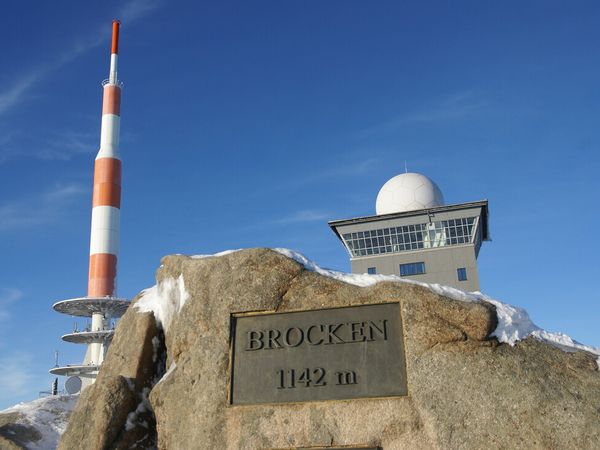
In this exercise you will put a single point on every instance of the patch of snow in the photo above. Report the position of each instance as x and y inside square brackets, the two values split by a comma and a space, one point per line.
[226, 252]
[137, 443]
[172, 367]
[48, 415]
[142, 407]
[514, 323]
[164, 299]
[362, 280]
[155, 346]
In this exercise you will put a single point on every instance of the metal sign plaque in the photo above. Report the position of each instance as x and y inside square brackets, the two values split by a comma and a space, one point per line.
[326, 354]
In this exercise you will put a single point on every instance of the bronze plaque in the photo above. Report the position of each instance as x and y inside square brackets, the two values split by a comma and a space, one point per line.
[325, 354]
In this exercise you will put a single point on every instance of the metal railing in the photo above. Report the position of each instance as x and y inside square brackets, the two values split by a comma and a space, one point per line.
[107, 81]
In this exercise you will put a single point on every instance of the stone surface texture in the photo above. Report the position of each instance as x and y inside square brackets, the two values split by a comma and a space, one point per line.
[466, 391]
[131, 367]
[15, 435]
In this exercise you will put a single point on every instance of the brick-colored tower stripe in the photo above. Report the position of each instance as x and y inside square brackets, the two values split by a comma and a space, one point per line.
[115, 37]
[107, 182]
[111, 103]
[103, 272]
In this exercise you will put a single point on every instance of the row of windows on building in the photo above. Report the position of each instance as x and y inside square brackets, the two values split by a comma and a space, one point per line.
[411, 237]
[418, 268]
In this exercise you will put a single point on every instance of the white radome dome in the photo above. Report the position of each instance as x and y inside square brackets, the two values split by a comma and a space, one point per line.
[407, 192]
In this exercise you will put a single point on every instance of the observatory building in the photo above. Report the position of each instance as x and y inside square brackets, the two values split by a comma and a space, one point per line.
[101, 304]
[415, 235]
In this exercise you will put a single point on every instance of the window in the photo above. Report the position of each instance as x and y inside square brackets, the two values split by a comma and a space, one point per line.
[462, 274]
[407, 270]
[412, 237]
[372, 270]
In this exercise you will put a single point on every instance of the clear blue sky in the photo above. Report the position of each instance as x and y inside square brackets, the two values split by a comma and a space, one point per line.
[254, 123]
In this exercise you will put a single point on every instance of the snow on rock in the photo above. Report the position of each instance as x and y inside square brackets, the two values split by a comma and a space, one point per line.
[48, 416]
[133, 418]
[350, 278]
[223, 253]
[172, 367]
[164, 299]
[514, 324]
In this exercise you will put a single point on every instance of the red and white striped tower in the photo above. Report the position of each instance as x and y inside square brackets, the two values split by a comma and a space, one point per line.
[106, 200]
[104, 242]
[101, 303]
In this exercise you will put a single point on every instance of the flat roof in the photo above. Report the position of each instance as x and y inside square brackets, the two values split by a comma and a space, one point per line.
[483, 204]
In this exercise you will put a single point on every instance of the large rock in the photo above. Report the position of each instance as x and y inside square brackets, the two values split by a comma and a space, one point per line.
[14, 434]
[465, 390]
[114, 411]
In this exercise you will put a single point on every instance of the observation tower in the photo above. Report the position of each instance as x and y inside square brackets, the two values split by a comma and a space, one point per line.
[101, 303]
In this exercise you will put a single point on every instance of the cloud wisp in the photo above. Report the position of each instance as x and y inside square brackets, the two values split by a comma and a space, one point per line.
[68, 144]
[136, 9]
[454, 107]
[48, 207]
[16, 376]
[304, 217]
[303, 178]
[300, 217]
[16, 93]
[8, 297]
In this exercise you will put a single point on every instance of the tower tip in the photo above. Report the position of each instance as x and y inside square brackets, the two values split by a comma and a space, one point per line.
[115, 36]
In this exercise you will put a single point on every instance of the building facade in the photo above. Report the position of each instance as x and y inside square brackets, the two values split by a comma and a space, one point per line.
[415, 236]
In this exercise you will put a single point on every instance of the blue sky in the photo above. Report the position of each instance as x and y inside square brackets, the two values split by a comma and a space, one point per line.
[251, 124]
